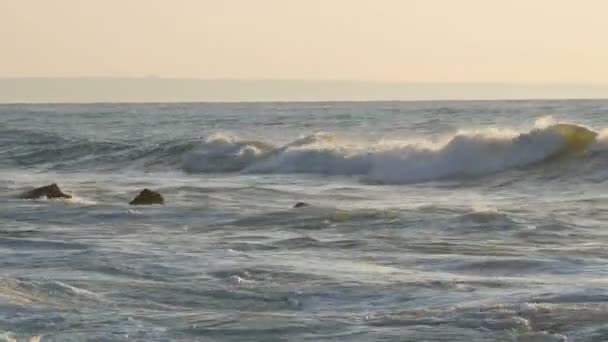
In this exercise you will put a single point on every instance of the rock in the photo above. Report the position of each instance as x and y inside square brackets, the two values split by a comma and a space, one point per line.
[147, 196]
[49, 191]
[301, 204]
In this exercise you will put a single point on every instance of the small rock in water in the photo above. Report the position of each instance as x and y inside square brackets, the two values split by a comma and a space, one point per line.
[147, 196]
[49, 191]
[301, 204]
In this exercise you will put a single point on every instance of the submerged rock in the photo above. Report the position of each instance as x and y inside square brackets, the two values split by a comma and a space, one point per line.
[301, 204]
[49, 191]
[146, 197]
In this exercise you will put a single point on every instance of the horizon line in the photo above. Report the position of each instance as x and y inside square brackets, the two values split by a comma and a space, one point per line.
[371, 81]
[92, 89]
[177, 102]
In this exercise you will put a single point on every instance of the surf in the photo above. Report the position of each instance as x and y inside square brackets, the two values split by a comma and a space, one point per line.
[401, 160]
[397, 161]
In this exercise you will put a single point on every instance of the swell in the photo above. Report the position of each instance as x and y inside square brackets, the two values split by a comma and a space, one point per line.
[23, 148]
[464, 154]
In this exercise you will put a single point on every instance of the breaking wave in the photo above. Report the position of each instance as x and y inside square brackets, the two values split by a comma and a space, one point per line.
[467, 153]
[464, 154]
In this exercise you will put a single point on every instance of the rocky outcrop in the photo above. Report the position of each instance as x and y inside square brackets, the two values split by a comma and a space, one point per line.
[147, 197]
[49, 191]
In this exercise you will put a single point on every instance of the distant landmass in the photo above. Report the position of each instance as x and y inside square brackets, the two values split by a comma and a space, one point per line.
[154, 89]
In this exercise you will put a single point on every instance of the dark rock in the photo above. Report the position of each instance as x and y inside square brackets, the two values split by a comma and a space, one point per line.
[49, 191]
[146, 197]
[301, 204]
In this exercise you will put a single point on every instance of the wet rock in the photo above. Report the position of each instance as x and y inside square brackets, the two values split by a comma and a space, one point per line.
[146, 197]
[301, 205]
[49, 191]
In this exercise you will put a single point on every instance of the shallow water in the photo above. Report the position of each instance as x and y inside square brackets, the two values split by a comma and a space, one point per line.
[436, 221]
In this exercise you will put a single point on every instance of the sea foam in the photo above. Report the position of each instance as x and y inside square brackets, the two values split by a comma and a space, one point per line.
[397, 161]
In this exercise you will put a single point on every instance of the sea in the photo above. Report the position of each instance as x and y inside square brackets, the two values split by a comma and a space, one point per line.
[425, 221]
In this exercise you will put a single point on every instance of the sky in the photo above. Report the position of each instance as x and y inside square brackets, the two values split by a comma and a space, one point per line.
[516, 41]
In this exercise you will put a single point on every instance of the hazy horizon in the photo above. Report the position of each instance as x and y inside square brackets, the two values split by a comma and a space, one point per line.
[155, 89]
[221, 79]
[546, 44]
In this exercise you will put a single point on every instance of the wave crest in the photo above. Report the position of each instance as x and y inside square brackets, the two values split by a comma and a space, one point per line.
[225, 153]
[394, 161]
[397, 161]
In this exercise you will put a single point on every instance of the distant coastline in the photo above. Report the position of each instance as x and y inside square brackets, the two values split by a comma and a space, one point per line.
[157, 89]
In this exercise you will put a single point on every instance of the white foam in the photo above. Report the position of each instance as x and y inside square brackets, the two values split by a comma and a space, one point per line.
[467, 153]
[601, 142]
[75, 290]
[73, 200]
[224, 152]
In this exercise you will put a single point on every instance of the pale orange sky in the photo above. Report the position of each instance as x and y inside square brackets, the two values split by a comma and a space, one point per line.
[387, 40]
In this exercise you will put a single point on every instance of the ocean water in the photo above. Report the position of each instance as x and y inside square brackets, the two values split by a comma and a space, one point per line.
[428, 221]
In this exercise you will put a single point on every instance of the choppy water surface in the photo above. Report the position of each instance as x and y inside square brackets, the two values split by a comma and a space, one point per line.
[430, 221]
